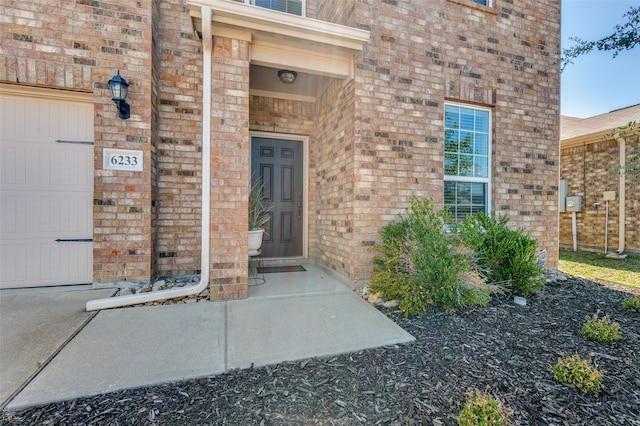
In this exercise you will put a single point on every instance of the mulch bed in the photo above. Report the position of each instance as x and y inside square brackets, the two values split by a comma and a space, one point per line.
[503, 348]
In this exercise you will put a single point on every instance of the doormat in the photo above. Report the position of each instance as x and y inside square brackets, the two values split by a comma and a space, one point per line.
[276, 269]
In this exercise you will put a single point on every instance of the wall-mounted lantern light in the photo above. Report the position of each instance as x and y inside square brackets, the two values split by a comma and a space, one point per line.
[119, 88]
[287, 76]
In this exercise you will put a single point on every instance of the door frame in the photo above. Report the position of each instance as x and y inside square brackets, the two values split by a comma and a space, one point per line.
[304, 140]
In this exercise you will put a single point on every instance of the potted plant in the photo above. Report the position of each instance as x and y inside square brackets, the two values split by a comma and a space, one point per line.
[259, 214]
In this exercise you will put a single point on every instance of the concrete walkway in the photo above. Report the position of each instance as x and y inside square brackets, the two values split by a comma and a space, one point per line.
[292, 316]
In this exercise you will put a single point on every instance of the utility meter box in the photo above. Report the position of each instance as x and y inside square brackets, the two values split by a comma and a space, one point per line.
[609, 195]
[574, 203]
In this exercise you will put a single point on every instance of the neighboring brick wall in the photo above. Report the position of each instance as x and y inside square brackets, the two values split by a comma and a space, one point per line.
[449, 51]
[81, 45]
[590, 170]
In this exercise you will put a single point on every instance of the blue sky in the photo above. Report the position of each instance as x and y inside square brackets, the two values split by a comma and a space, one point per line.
[596, 83]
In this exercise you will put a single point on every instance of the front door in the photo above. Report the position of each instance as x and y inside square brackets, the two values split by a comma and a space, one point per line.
[279, 164]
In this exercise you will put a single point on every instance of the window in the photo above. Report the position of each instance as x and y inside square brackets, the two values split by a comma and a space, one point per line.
[467, 171]
[288, 6]
[483, 2]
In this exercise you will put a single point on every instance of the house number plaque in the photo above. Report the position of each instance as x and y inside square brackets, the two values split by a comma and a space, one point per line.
[122, 159]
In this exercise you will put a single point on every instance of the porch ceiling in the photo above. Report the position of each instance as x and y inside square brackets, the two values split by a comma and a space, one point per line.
[317, 50]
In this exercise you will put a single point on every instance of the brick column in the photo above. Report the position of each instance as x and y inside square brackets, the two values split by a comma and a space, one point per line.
[229, 168]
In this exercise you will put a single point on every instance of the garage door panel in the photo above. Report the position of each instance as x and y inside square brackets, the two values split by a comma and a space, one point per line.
[13, 263]
[65, 166]
[39, 262]
[65, 215]
[46, 191]
[65, 262]
[45, 121]
[58, 215]
[13, 214]
[14, 165]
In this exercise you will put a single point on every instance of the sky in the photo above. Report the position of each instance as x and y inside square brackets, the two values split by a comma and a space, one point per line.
[597, 83]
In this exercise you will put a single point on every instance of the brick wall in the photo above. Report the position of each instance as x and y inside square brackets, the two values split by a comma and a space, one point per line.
[375, 141]
[332, 202]
[178, 141]
[590, 170]
[282, 116]
[336, 11]
[501, 57]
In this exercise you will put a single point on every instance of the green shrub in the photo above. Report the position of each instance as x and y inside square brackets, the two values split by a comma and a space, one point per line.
[632, 303]
[509, 257]
[418, 265]
[601, 329]
[578, 372]
[482, 409]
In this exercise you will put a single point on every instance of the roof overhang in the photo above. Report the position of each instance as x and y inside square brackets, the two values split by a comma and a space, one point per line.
[585, 139]
[282, 40]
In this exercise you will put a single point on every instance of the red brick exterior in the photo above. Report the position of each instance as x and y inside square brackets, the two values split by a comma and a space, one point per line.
[374, 140]
[457, 51]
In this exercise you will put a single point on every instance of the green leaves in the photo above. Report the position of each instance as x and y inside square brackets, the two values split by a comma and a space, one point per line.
[625, 37]
[420, 263]
[509, 257]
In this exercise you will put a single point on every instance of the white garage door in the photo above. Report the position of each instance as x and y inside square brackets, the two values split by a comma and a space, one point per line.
[46, 188]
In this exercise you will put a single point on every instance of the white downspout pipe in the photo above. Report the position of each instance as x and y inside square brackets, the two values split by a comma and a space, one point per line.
[574, 230]
[153, 296]
[622, 197]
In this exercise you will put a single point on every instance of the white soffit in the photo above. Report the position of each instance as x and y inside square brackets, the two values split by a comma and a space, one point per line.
[284, 40]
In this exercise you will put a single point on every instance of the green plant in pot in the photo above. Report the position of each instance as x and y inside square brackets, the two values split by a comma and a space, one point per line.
[259, 215]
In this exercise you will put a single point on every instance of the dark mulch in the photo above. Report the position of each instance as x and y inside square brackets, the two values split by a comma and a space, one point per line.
[504, 348]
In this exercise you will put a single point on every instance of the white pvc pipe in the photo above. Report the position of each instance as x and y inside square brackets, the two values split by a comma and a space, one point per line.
[622, 196]
[153, 296]
[606, 227]
[574, 229]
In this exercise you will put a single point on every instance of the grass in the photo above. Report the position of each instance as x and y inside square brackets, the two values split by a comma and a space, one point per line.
[596, 266]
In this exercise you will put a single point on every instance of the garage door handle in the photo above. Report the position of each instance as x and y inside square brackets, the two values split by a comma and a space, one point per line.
[74, 142]
[75, 240]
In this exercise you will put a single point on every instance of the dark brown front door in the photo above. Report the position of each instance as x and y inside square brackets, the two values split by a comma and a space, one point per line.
[279, 164]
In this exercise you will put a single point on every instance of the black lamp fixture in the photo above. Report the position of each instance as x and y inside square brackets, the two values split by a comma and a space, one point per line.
[287, 76]
[119, 88]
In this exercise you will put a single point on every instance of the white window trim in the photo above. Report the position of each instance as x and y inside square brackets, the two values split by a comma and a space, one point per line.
[472, 179]
[304, 6]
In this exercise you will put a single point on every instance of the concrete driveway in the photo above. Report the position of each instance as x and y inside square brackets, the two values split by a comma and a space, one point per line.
[34, 324]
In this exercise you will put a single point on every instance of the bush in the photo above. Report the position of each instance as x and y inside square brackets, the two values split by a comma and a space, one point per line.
[508, 256]
[601, 329]
[632, 303]
[418, 263]
[481, 409]
[578, 372]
